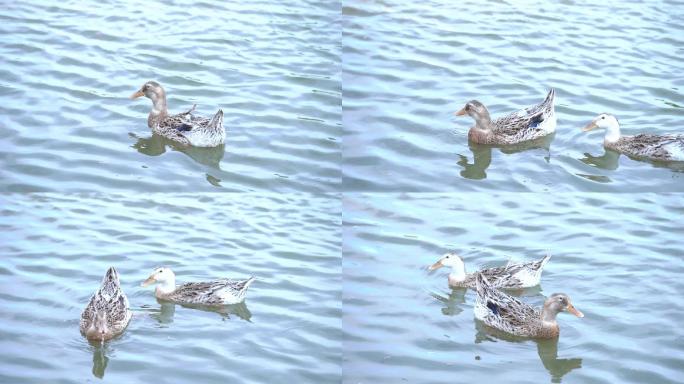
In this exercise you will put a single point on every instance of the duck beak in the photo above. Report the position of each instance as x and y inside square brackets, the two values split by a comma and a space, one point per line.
[436, 265]
[137, 94]
[590, 126]
[461, 112]
[147, 282]
[571, 308]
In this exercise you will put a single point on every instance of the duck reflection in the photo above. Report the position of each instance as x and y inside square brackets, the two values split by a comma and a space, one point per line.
[100, 351]
[168, 309]
[453, 303]
[547, 349]
[610, 160]
[482, 155]
[156, 145]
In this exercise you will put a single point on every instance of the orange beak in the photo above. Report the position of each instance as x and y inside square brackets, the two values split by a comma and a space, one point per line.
[137, 94]
[436, 265]
[147, 282]
[461, 112]
[589, 127]
[574, 311]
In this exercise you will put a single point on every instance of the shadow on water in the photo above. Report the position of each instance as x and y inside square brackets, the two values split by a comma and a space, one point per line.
[610, 160]
[452, 304]
[482, 155]
[167, 310]
[100, 359]
[547, 349]
[156, 145]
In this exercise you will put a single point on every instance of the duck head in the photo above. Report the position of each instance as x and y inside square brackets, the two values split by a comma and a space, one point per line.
[455, 262]
[478, 112]
[556, 303]
[153, 91]
[165, 277]
[609, 123]
[98, 326]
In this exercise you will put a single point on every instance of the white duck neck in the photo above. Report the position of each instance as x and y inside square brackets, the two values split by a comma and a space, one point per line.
[612, 132]
[166, 287]
[458, 272]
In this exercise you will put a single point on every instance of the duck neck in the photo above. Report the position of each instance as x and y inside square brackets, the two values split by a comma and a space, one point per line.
[457, 274]
[612, 134]
[165, 287]
[483, 121]
[159, 110]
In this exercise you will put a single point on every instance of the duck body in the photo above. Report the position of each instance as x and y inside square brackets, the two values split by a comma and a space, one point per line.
[184, 128]
[210, 293]
[644, 146]
[526, 124]
[107, 313]
[507, 313]
[511, 276]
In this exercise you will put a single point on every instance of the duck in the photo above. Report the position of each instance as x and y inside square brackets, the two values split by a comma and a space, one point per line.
[647, 146]
[108, 312]
[183, 128]
[211, 293]
[521, 275]
[526, 124]
[506, 313]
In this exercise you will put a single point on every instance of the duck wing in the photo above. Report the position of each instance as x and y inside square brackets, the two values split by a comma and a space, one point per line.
[500, 310]
[527, 122]
[205, 292]
[662, 147]
[520, 275]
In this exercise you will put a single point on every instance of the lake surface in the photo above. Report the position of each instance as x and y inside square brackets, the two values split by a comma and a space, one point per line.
[408, 66]
[56, 248]
[67, 70]
[619, 257]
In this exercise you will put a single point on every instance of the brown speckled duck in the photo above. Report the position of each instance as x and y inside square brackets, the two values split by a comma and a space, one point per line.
[107, 313]
[647, 146]
[506, 313]
[527, 124]
[184, 128]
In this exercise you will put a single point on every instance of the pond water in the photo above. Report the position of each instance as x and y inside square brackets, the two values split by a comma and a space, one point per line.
[619, 257]
[66, 123]
[408, 66]
[56, 248]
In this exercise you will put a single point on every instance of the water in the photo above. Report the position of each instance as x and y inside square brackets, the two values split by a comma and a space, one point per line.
[67, 70]
[409, 65]
[56, 248]
[618, 256]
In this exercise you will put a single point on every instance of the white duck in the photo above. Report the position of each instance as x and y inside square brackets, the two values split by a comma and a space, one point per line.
[218, 292]
[649, 146]
[521, 275]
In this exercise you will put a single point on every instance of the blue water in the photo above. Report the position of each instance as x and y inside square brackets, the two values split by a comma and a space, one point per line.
[408, 66]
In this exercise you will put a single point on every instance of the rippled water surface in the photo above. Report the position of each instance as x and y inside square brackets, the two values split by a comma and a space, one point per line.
[619, 257]
[409, 65]
[55, 250]
[67, 69]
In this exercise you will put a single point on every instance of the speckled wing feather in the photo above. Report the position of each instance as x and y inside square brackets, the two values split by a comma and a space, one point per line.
[519, 275]
[658, 147]
[502, 311]
[525, 124]
[189, 129]
[209, 292]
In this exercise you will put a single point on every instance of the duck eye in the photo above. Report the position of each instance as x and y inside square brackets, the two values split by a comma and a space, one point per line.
[603, 117]
[467, 107]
